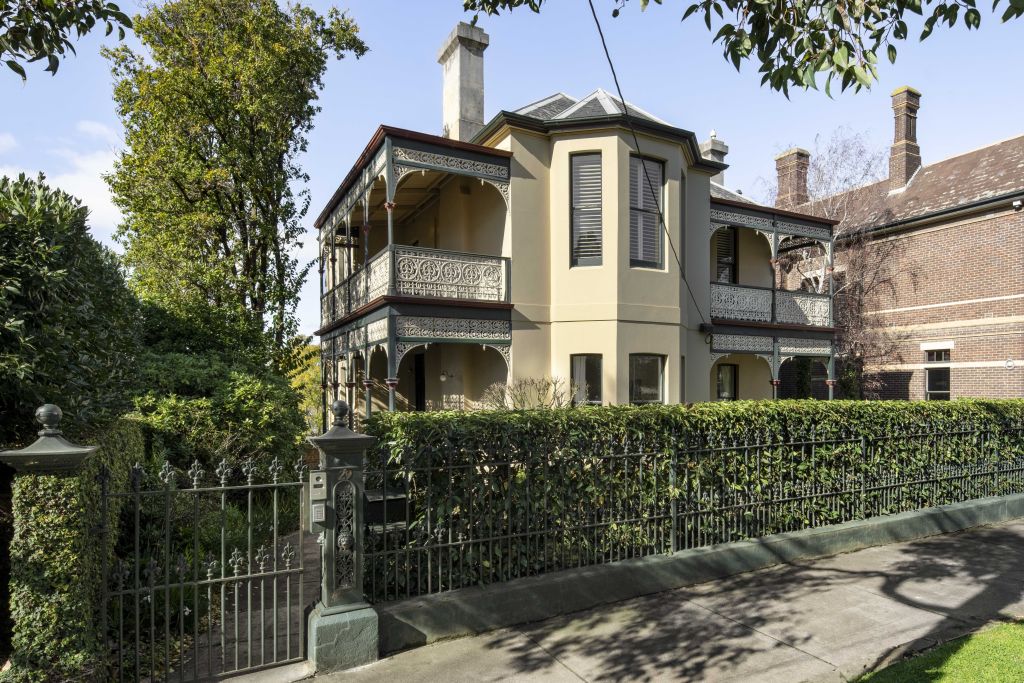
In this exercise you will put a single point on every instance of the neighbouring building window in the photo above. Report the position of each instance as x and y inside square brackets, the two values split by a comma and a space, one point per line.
[936, 379]
[727, 379]
[585, 209]
[725, 255]
[586, 378]
[645, 198]
[646, 378]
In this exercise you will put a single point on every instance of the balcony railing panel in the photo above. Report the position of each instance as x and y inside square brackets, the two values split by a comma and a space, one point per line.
[754, 304]
[734, 302]
[419, 272]
[802, 308]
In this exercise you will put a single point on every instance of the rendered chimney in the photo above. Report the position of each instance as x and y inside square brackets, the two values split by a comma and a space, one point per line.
[462, 60]
[905, 157]
[715, 149]
[791, 168]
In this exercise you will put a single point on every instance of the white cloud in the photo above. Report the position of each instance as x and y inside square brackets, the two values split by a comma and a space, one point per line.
[99, 131]
[7, 142]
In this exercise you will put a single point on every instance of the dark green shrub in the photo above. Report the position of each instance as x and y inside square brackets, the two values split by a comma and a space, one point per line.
[498, 495]
[57, 562]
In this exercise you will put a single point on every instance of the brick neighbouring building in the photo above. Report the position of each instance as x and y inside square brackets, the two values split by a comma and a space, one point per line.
[952, 236]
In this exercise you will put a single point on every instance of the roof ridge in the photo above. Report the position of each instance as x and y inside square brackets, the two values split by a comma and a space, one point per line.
[546, 100]
[975, 149]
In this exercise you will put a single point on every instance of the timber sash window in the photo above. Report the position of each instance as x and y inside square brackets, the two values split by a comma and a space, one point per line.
[645, 231]
[586, 378]
[936, 379]
[646, 378]
[727, 378]
[725, 255]
[585, 209]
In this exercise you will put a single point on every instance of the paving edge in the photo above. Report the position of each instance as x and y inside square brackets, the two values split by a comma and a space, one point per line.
[467, 611]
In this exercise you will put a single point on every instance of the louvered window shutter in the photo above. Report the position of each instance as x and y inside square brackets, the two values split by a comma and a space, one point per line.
[725, 255]
[645, 198]
[586, 209]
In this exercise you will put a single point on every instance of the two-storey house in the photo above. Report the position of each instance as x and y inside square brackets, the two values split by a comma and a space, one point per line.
[583, 239]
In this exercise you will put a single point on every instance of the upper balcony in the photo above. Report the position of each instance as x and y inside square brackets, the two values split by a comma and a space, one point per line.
[417, 272]
[744, 303]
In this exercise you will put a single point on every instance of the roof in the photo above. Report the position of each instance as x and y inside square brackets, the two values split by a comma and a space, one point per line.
[722, 192]
[982, 174]
[562, 107]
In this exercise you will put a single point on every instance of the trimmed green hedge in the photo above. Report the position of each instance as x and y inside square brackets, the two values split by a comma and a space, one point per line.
[491, 496]
[56, 562]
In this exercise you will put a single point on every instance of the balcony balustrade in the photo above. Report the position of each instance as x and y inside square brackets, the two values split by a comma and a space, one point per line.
[755, 304]
[419, 272]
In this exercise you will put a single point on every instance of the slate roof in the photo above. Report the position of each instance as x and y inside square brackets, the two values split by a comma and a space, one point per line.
[965, 179]
[562, 107]
[722, 192]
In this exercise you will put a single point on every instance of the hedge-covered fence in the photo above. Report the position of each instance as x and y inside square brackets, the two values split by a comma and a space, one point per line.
[57, 560]
[483, 497]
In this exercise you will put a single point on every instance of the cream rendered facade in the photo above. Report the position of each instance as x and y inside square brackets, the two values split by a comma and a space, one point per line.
[446, 265]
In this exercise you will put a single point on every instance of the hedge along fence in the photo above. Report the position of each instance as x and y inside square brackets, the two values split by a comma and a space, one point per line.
[57, 562]
[484, 497]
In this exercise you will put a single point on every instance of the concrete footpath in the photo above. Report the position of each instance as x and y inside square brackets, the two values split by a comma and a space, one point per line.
[821, 620]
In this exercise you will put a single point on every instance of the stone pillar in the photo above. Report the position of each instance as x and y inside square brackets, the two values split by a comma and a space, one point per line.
[462, 59]
[905, 155]
[343, 627]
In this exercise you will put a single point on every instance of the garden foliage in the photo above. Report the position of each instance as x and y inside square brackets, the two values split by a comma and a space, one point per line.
[492, 496]
[57, 561]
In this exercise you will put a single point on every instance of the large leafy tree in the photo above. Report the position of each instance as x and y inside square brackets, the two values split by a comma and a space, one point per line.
[216, 111]
[68, 330]
[33, 30]
[798, 43]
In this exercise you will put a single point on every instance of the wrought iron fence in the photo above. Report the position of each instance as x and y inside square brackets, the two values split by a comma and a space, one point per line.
[445, 519]
[208, 576]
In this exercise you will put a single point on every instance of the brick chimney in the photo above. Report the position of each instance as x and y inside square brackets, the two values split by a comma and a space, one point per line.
[715, 149]
[791, 167]
[462, 60]
[905, 157]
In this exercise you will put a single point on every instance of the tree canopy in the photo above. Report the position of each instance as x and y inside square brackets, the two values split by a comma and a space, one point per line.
[68, 332]
[216, 111]
[797, 43]
[32, 31]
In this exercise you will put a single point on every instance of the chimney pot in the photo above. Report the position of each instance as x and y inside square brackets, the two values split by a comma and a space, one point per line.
[791, 168]
[462, 60]
[905, 156]
[715, 149]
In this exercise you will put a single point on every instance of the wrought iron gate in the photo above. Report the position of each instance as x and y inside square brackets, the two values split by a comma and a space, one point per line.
[212, 574]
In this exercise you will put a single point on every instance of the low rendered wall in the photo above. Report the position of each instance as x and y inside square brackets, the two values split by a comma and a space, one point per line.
[419, 621]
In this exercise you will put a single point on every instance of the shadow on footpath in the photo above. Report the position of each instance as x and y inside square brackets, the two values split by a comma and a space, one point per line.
[952, 584]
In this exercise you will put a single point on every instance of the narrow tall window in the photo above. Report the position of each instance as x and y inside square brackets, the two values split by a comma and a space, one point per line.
[725, 255]
[585, 209]
[645, 198]
[586, 378]
[936, 379]
[727, 377]
[646, 378]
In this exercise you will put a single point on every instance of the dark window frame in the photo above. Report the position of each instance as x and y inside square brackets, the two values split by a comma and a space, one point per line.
[661, 379]
[657, 213]
[586, 261]
[600, 372]
[937, 362]
[735, 267]
[735, 382]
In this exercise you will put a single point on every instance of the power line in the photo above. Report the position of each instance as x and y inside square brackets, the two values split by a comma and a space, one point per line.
[636, 143]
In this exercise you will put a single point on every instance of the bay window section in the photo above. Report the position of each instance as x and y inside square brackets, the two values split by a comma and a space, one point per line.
[646, 378]
[585, 209]
[646, 243]
[586, 378]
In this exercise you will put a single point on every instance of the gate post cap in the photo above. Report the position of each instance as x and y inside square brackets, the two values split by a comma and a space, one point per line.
[51, 453]
[339, 445]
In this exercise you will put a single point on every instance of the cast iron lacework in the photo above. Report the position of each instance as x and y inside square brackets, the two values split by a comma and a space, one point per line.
[802, 308]
[453, 328]
[731, 218]
[814, 232]
[449, 162]
[345, 565]
[741, 303]
[804, 347]
[424, 272]
[377, 331]
[742, 343]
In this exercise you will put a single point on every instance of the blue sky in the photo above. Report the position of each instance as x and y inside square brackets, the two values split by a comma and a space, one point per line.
[66, 127]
